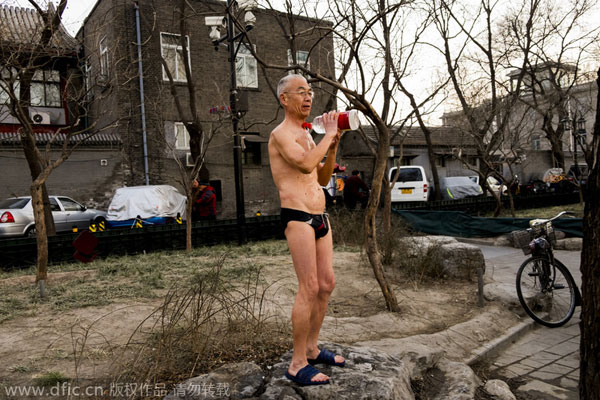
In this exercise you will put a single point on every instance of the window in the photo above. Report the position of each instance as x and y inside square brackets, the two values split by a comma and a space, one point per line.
[246, 68]
[172, 52]
[8, 79]
[54, 204]
[70, 205]
[251, 149]
[301, 59]
[440, 161]
[182, 137]
[251, 154]
[536, 142]
[87, 78]
[104, 59]
[45, 88]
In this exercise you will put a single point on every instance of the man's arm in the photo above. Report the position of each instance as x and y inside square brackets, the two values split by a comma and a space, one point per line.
[326, 169]
[303, 160]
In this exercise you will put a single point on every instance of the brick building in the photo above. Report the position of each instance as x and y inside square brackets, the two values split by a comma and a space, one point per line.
[109, 42]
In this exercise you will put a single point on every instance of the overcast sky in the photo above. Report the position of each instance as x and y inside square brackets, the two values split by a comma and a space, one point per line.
[74, 15]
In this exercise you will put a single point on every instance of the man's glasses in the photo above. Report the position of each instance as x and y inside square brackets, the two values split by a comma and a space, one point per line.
[304, 93]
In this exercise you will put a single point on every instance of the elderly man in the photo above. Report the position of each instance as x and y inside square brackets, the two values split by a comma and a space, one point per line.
[299, 174]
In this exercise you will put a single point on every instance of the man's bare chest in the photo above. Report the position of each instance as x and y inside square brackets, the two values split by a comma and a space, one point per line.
[305, 140]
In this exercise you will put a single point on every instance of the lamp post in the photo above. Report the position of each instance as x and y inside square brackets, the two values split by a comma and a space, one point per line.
[579, 136]
[231, 38]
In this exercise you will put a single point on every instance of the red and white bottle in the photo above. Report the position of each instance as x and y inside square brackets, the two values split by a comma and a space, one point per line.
[347, 121]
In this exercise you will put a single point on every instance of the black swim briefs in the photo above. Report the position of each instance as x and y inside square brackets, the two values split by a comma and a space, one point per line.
[319, 222]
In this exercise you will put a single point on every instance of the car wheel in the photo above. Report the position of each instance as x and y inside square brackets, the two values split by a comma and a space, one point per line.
[98, 220]
[30, 233]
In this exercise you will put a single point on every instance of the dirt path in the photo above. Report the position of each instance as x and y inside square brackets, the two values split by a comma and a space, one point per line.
[38, 343]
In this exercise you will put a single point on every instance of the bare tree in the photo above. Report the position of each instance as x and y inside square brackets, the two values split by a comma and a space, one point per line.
[23, 63]
[199, 138]
[556, 68]
[475, 56]
[589, 381]
[365, 53]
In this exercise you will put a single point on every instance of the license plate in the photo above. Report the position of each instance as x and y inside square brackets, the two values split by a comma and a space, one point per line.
[406, 191]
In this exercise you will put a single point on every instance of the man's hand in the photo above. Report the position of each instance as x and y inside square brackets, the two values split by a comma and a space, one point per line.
[335, 141]
[330, 123]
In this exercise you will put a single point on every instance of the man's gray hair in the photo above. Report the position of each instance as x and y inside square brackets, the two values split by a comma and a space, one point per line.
[282, 85]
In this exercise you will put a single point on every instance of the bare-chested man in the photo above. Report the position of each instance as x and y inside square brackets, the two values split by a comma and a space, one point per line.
[299, 174]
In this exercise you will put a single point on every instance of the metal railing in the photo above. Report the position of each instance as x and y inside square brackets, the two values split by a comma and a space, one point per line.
[21, 252]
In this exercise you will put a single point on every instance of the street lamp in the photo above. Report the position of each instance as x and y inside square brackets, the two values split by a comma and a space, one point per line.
[231, 38]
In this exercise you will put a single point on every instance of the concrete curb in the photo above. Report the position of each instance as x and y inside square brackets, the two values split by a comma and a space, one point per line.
[491, 348]
[479, 241]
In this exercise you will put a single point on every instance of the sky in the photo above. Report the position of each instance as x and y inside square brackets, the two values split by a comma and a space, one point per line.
[77, 10]
[74, 15]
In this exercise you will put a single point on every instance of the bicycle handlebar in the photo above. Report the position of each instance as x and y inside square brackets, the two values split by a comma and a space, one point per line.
[560, 214]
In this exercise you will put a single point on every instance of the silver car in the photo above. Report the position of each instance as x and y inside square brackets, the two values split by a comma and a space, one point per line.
[16, 216]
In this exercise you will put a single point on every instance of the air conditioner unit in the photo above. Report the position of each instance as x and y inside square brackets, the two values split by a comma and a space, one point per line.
[40, 118]
[189, 160]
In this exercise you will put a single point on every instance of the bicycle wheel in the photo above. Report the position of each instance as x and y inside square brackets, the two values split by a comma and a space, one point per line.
[546, 291]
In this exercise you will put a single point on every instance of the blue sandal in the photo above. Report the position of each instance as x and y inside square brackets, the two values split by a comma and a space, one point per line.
[304, 375]
[326, 357]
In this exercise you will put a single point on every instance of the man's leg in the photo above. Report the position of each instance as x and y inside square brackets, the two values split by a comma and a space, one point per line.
[301, 241]
[326, 281]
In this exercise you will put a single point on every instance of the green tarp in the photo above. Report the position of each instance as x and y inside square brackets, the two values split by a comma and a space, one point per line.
[458, 223]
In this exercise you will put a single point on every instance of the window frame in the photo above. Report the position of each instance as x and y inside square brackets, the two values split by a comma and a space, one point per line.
[252, 151]
[104, 57]
[305, 64]
[186, 145]
[176, 48]
[245, 57]
[45, 82]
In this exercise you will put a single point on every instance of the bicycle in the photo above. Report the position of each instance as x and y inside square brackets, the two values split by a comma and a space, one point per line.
[545, 287]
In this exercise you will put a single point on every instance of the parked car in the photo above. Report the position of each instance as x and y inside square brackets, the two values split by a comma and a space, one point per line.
[154, 204]
[411, 185]
[16, 216]
[459, 187]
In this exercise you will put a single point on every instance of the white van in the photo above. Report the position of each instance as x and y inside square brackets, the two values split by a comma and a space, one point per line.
[412, 184]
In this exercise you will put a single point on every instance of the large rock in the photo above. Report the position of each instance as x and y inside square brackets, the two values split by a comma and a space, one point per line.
[368, 374]
[572, 244]
[446, 254]
[499, 389]
[460, 382]
[231, 381]
[461, 260]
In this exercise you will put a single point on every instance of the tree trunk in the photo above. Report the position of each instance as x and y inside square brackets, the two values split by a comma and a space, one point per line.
[388, 239]
[189, 222]
[37, 203]
[371, 221]
[589, 375]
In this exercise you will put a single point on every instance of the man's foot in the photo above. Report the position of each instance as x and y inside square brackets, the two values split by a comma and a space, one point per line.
[308, 375]
[326, 357]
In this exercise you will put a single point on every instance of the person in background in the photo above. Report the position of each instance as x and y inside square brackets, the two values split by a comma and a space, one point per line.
[205, 202]
[355, 190]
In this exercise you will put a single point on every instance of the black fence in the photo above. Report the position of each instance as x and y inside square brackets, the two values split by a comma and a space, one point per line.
[483, 204]
[23, 251]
